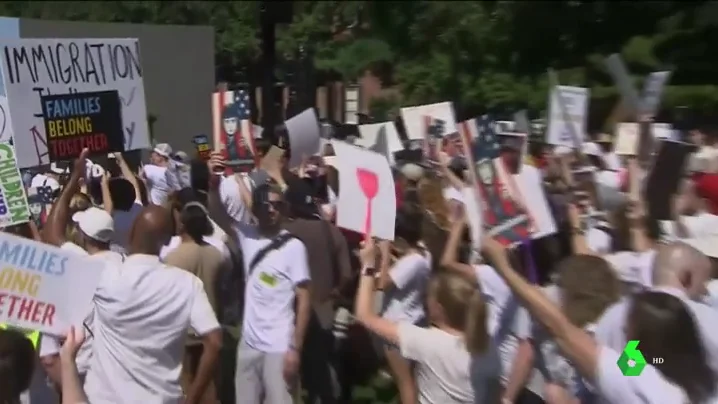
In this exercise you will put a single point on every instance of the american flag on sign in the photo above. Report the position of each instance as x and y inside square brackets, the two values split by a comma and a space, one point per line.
[504, 215]
[233, 129]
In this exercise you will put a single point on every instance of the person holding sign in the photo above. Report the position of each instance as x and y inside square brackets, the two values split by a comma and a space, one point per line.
[277, 275]
[160, 176]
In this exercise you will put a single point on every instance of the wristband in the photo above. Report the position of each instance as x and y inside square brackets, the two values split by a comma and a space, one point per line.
[368, 271]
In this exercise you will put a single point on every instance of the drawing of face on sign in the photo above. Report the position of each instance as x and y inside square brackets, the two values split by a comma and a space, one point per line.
[230, 122]
[504, 218]
[435, 129]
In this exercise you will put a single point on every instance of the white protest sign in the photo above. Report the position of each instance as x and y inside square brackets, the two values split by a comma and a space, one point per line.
[652, 92]
[474, 215]
[304, 136]
[626, 139]
[663, 131]
[5, 122]
[367, 197]
[13, 201]
[45, 288]
[529, 184]
[415, 119]
[381, 138]
[36, 67]
[567, 115]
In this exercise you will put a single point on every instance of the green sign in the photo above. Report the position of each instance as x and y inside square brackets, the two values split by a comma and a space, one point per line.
[631, 361]
[13, 201]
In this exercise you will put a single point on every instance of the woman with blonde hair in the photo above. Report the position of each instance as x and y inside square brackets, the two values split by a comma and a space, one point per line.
[455, 360]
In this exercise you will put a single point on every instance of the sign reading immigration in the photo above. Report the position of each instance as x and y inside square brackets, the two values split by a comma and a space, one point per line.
[82, 120]
[43, 287]
[13, 201]
[34, 68]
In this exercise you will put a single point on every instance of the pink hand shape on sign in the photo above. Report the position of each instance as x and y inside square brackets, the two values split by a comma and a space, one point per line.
[369, 184]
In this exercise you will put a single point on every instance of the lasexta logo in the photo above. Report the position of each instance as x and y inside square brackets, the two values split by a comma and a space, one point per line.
[631, 362]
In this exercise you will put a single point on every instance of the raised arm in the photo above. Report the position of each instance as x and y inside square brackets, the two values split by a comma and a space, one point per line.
[577, 346]
[128, 174]
[54, 231]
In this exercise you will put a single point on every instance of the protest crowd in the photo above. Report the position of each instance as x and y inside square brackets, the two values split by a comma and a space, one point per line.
[465, 263]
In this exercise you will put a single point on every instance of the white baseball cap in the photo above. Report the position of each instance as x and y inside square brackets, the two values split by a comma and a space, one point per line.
[95, 223]
[163, 149]
[591, 149]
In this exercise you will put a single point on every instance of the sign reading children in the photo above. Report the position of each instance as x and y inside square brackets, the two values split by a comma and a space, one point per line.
[76, 121]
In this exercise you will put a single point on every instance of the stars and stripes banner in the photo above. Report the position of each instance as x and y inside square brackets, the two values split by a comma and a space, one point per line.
[233, 131]
[504, 214]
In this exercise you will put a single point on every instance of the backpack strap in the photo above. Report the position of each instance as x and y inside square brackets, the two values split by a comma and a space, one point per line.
[276, 243]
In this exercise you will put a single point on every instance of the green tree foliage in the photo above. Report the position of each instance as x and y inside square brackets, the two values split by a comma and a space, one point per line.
[490, 55]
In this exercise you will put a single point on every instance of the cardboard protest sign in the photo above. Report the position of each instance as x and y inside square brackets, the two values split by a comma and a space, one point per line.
[415, 119]
[304, 134]
[503, 217]
[568, 110]
[201, 144]
[233, 130]
[33, 68]
[76, 121]
[626, 139]
[665, 177]
[44, 288]
[652, 92]
[367, 197]
[13, 202]
[381, 138]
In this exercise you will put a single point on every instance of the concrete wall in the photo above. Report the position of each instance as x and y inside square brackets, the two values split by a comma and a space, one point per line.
[178, 71]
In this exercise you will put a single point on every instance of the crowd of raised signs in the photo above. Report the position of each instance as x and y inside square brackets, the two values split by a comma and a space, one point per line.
[477, 268]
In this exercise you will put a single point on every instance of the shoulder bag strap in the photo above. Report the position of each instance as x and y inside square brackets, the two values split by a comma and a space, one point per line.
[276, 243]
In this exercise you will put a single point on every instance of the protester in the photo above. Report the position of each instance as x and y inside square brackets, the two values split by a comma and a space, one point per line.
[456, 360]
[160, 175]
[143, 310]
[276, 273]
[17, 365]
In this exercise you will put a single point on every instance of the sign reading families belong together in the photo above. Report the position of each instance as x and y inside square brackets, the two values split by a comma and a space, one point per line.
[38, 68]
[82, 120]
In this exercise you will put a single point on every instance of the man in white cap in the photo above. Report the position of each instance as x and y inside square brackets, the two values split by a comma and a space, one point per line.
[160, 176]
[94, 229]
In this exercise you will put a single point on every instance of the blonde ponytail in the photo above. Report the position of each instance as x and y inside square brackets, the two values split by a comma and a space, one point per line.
[477, 337]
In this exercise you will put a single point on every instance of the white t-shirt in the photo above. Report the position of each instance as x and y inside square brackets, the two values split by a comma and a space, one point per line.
[508, 322]
[161, 182]
[634, 268]
[701, 225]
[232, 200]
[123, 223]
[445, 372]
[268, 323]
[404, 302]
[650, 387]
[609, 328]
[143, 312]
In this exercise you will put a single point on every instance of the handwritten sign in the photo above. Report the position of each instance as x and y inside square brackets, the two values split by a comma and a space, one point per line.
[43, 287]
[82, 120]
[33, 68]
[13, 202]
[201, 143]
[567, 118]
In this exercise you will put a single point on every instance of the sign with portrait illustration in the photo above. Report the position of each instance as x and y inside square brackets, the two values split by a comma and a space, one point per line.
[504, 215]
[233, 129]
[76, 121]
